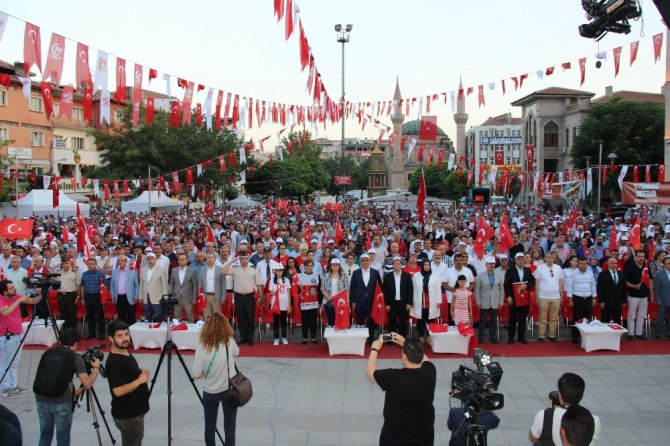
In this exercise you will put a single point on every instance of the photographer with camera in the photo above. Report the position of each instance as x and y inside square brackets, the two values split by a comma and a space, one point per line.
[547, 423]
[409, 415]
[11, 330]
[128, 384]
[54, 390]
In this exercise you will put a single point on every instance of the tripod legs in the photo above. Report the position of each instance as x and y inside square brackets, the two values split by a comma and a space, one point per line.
[167, 350]
[93, 397]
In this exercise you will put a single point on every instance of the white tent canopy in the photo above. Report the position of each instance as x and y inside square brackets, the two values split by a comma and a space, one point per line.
[141, 203]
[39, 202]
[242, 201]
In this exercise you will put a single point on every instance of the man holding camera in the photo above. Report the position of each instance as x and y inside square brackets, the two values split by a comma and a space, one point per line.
[409, 415]
[128, 384]
[570, 392]
[54, 390]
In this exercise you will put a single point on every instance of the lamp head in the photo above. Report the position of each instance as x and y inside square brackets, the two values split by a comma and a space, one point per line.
[338, 27]
[349, 27]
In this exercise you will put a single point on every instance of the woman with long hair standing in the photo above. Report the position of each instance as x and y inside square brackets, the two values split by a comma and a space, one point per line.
[214, 362]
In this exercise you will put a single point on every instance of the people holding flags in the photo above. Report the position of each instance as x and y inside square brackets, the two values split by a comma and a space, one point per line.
[362, 292]
[279, 302]
[311, 296]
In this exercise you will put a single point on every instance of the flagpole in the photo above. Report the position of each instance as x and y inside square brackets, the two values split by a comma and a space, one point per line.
[149, 187]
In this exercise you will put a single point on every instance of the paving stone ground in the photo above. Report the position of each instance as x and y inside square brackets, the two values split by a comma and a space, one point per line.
[330, 402]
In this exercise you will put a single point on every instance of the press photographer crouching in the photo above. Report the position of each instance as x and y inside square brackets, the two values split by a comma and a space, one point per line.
[570, 392]
[54, 390]
[409, 414]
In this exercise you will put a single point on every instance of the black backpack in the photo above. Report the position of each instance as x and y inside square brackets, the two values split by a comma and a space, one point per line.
[54, 373]
[546, 437]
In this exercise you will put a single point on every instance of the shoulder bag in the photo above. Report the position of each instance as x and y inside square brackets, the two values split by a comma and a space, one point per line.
[239, 386]
[546, 437]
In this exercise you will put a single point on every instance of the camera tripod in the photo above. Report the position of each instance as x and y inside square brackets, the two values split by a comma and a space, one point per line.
[168, 349]
[50, 321]
[475, 432]
[91, 402]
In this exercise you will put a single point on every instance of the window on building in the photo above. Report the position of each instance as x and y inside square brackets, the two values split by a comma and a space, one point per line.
[78, 114]
[37, 139]
[4, 134]
[77, 143]
[35, 104]
[56, 108]
[118, 115]
[551, 134]
[3, 98]
[567, 137]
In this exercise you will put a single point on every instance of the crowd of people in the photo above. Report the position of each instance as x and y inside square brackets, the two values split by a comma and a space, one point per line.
[294, 262]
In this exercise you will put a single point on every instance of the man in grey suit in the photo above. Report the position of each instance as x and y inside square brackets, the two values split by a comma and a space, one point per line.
[153, 286]
[184, 286]
[125, 288]
[661, 294]
[489, 295]
[211, 281]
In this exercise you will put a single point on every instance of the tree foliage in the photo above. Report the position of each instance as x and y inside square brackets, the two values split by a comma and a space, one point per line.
[440, 182]
[632, 130]
[358, 173]
[128, 152]
[297, 175]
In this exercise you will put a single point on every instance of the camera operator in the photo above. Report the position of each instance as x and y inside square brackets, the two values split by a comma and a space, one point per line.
[409, 415]
[459, 422]
[68, 295]
[37, 270]
[128, 385]
[570, 392]
[54, 390]
[11, 329]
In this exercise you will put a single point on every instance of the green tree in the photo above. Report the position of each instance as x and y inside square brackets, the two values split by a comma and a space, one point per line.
[128, 152]
[440, 182]
[632, 130]
[297, 175]
[358, 173]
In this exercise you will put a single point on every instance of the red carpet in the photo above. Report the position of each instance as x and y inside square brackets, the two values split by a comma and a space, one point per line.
[295, 349]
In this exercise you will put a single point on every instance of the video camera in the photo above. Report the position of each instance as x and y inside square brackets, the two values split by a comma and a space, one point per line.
[608, 15]
[477, 388]
[43, 281]
[168, 302]
[92, 353]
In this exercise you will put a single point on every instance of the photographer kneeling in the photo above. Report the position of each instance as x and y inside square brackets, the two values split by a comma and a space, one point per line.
[409, 415]
[54, 390]
[570, 392]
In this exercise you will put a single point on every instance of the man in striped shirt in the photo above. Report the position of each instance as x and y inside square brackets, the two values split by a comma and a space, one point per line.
[580, 288]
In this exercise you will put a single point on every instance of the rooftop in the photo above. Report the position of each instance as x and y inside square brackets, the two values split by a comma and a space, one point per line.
[553, 92]
[504, 119]
[637, 96]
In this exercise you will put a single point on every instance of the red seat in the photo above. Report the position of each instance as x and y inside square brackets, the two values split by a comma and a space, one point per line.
[139, 310]
[566, 313]
[533, 313]
[503, 316]
[652, 314]
[476, 311]
[228, 307]
[110, 310]
[597, 311]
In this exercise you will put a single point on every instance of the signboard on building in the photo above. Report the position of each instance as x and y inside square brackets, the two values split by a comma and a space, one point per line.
[646, 193]
[20, 153]
[59, 143]
[569, 189]
[488, 140]
[365, 155]
[340, 180]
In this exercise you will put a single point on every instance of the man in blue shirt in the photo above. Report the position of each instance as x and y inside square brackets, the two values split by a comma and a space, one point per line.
[90, 289]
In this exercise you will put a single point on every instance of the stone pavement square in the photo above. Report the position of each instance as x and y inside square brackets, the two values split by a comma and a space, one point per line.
[330, 402]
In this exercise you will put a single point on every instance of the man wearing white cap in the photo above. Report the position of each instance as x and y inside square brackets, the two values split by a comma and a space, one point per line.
[373, 261]
[518, 313]
[153, 286]
[489, 295]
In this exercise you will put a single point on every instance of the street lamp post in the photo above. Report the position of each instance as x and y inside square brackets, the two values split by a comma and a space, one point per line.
[342, 37]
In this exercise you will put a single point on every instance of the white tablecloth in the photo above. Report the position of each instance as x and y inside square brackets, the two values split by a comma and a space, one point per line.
[146, 337]
[601, 337]
[450, 341]
[39, 334]
[346, 342]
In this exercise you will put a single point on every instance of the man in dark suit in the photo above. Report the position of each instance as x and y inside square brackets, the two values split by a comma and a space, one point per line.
[362, 294]
[612, 292]
[184, 285]
[398, 296]
[517, 314]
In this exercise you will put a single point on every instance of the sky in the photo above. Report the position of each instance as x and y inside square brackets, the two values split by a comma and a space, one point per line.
[428, 45]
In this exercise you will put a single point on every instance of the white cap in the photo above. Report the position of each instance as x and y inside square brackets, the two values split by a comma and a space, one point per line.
[335, 261]
[372, 251]
[116, 237]
[330, 240]
[503, 257]
[518, 254]
[151, 254]
[489, 259]
[276, 265]
[365, 256]
[244, 242]
[148, 249]
[399, 258]
[624, 237]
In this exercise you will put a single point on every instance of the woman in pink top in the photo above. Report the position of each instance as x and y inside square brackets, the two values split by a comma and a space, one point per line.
[461, 304]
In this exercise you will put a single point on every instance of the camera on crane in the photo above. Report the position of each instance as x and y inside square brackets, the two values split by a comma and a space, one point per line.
[608, 15]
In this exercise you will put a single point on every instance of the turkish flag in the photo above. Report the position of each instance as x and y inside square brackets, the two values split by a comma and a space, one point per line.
[635, 234]
[647, 174]
[419, 155]
[304, 47]
[231, 158]
[661, 173]
[645, 277]
[582, 70]
[150, 111]
[210, 235]
[174, 115]
[500, 156]
[32, 47]
[378, 313]
[104, 293]
[338, 231]
[189, 176]
[11, 228]
[56, 194]
[199, 305]
[421, 198]
[529, 156]
[341, 303]
[484, 234]
[658, 43]
[88, 104]
[636, 177]
[66, 99]
[83, 71]
[54, 67]
[633, 51]
[137, 92]
[222, 163]
[617, 59]
[428, 128]
[120, 94]
[613, 241]
[48, 98]
[505, 235]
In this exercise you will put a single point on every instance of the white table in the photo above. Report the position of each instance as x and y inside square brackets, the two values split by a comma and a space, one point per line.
[450, 341]
[41, 335]
[600, 337]
[346, 342]
[146, 337]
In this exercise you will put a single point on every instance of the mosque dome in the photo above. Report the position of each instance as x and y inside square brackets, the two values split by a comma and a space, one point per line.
[412, 128]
